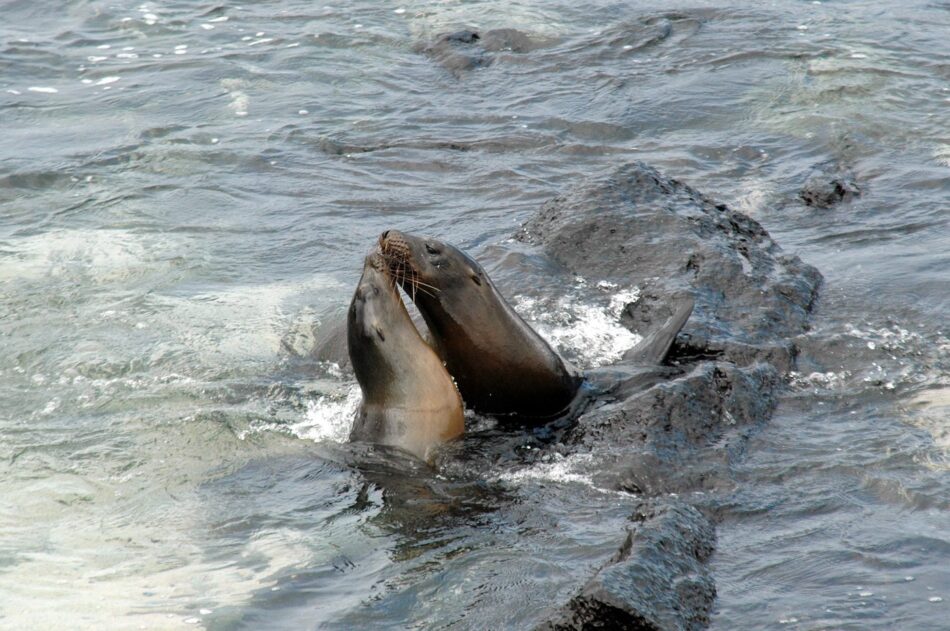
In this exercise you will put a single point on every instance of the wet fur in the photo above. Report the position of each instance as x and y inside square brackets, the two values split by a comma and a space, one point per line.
[501, 365]
[409, 399]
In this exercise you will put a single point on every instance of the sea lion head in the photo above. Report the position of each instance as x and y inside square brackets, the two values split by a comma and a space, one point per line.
[500, 364]
[375, 323]
[409, 399]
[434, 273]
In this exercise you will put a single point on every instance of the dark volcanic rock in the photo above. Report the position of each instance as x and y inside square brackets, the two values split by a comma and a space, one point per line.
[678, 429]
[658, 580]
[828, 185]
[636, 226]
[639, 225]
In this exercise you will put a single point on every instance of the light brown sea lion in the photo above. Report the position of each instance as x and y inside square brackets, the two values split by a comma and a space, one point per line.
[501, 365]
[409, 399]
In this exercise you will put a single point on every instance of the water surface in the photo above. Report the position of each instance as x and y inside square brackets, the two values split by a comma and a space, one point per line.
[187, 190]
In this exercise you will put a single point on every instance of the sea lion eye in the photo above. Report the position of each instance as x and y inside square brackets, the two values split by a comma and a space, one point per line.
[431, 249]
[375, 290]
[477, 279]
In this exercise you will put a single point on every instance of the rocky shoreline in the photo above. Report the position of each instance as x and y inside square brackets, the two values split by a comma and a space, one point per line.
[678, 433]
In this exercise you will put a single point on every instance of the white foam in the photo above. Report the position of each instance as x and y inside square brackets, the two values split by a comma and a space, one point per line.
[591, 334]
[92, 255]
[942, 153]
[107, 80]
[825, 380]
[237, 322]
[558, 468]
[42, 89]
[330, 417]
[101, 580]
[239, 99]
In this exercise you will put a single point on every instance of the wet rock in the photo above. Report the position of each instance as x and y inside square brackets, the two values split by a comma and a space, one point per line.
[655, 431]
[828, 185]
[657, 580]
[511, 40]
[460, 37]
[457, 52]
[468, 49]
[636, 225]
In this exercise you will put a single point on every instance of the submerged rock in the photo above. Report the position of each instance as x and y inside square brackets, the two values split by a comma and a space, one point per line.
[468, 49]
[456, 52]
[828, 185]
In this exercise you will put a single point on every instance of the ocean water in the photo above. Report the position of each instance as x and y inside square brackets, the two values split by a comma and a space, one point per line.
[187, 190]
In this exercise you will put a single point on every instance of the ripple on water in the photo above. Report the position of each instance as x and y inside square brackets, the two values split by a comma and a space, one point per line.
[168, 211]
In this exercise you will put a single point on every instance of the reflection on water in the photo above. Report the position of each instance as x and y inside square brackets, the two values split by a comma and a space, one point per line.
[187, 190]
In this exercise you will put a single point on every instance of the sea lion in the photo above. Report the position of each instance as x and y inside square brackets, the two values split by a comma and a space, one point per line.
[409, 400]
[501, 366]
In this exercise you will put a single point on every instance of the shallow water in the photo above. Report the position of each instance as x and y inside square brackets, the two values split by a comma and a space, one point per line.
[187, 190]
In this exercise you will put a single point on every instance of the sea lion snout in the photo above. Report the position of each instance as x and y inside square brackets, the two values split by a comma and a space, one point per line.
[395, 246]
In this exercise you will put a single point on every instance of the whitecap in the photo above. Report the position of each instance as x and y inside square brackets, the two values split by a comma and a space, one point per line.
[589, 333]
[558, 468]
[330, 417]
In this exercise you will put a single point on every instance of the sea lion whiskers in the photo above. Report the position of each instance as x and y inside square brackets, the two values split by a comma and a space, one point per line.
[402, 272]
[429, 290]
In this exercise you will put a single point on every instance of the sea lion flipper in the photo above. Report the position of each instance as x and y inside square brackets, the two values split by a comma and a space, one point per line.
[654, 347]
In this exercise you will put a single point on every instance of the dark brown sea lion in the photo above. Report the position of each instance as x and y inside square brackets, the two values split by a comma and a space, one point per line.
[409, 400]
[501, 366]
